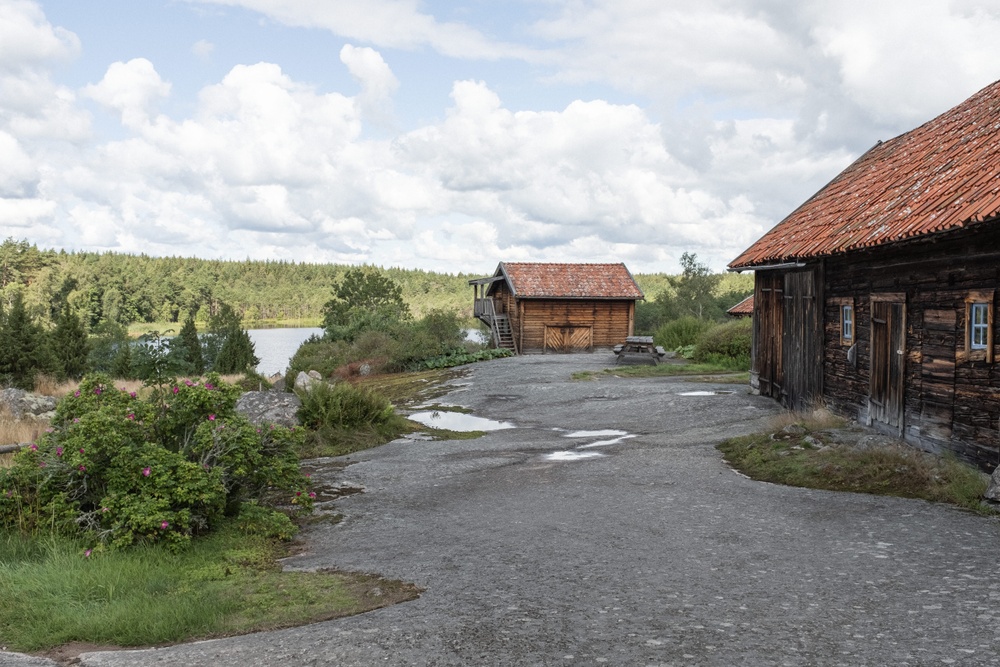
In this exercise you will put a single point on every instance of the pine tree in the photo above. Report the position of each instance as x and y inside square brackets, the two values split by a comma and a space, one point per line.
[24, 347]
[187, 347]
[70, 344]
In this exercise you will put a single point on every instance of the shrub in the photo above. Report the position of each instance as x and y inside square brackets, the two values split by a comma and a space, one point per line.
[316, 354]
[680, 332]
[343, 406]
[728, 343]
[120, 470]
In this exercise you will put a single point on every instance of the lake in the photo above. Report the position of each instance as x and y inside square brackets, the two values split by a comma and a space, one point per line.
[275, 347]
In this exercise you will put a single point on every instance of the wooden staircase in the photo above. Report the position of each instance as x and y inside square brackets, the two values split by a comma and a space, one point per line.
[503, 336]
[502, 333]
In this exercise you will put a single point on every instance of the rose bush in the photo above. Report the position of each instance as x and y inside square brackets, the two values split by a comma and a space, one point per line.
[117, 469]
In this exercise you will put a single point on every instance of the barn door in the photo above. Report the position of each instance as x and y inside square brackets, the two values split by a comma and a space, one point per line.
[568, 339]
[802, 344]
[768, 327]
[885, 395]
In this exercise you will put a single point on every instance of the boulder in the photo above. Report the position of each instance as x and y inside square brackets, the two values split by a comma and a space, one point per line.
[306, 381]
[992, 493]
[270, 407]
[22, 405]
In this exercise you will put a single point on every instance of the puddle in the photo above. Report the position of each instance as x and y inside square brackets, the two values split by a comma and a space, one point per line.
[608, 432]
[719, 392]
[603, 443]
[457, 421]
[571, 456]
[615, 436]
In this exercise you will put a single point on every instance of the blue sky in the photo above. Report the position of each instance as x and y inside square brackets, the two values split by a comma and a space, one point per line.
[449, 136]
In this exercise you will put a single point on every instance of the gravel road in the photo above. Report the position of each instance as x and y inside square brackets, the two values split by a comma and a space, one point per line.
[539, 545]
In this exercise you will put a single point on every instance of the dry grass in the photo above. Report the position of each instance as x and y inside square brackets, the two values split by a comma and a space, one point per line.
[818, 419]
[15, 431]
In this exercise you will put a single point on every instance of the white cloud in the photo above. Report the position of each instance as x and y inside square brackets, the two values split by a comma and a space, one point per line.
[203, 48]
[384, 23]
[130, 88]
[28, 40]
[378, 83]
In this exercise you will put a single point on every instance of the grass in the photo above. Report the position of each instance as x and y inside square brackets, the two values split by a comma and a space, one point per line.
[224, 584]
[814, 452]
[667, 370]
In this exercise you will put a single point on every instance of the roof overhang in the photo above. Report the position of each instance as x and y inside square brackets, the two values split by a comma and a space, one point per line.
[768, 267]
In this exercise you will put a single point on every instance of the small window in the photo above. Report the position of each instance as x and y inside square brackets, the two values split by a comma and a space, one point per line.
[978, 326]
[847, 324]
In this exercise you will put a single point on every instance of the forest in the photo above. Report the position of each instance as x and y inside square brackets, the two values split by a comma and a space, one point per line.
[128, 290]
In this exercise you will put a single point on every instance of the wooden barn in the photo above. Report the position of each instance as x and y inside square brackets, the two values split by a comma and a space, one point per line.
[877, 296]
[743, 309]
[536, 307]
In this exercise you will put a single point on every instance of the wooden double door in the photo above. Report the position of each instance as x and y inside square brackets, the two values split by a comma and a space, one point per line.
[569, 338]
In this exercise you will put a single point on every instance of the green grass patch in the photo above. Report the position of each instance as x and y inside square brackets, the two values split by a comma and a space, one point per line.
[814, 456]
[666, 370]
[224, 584]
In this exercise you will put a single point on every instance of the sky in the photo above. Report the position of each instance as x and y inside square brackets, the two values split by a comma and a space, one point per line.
[449, 136]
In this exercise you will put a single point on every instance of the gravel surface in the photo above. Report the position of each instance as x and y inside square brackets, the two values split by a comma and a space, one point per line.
[648, 551]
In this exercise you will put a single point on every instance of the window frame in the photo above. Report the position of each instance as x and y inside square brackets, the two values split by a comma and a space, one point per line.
[982, 301]
[846, 304]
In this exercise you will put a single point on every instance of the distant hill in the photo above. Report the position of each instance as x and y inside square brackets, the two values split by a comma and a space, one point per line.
[129, 289]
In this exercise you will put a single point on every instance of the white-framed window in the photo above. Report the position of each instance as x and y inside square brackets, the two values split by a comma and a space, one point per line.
[847, 324]
[978, 325]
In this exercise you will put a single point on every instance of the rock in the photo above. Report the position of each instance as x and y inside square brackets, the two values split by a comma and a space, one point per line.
[269, 407]
[305, 382]
[993, 490]
[811, 441]
[20, 404]
[364, 370]
[794, 429]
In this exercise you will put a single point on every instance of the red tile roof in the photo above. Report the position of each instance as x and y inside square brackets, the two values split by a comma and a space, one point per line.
[530, 280]
[943, 175]
[743, 308]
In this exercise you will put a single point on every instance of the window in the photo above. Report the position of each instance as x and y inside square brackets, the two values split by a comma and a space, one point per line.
[847, 324]
[978, 326]
[978, 337]
[844, 321]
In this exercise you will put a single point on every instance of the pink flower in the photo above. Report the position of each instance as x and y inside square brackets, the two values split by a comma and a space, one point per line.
[86, 554]
[298, 493]
[124, 389]
[97, 390]
[33, 447]
[83, 468]
[59, 451]
[308, 475]
[81, 450]
[189, 383]
[165, 525]
[76, 393]
[145, 472]
[209, 386]
[211, 418]
[312, 494]
[104, 509]
[131, 416]
[176, 389]
[132, 394]
[76, 420]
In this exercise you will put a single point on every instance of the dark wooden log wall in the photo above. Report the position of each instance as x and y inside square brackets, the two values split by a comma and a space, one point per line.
[951, 401]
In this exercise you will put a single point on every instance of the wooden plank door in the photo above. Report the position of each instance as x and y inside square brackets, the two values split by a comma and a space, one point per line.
[802, 347]
[768, 318]
[888, 363]
[568, 339]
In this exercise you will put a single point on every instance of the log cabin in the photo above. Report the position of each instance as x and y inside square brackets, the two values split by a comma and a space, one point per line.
[877, 296]
[543, 307]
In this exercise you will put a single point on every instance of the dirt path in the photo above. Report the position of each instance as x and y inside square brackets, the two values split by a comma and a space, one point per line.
[630, 548]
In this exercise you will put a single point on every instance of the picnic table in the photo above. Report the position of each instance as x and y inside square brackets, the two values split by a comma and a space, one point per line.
[639, 347]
